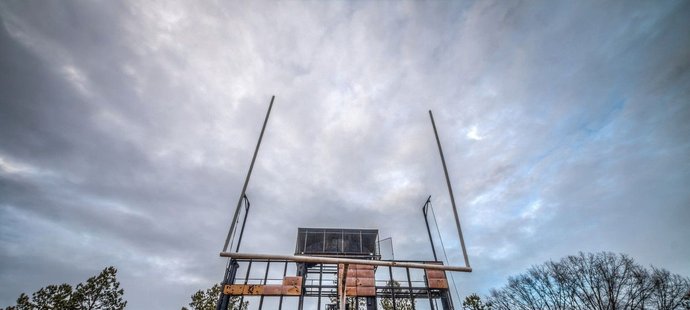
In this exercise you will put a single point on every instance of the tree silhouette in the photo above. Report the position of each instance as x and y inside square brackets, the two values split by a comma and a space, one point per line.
[208, 299]
[101, 292]
[593, 281]
[474, 302]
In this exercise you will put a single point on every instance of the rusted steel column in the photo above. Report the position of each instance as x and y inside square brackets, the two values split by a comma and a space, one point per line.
[343, 282]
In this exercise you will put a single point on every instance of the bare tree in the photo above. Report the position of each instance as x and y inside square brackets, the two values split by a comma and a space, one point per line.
[593, 281]
[669, 291]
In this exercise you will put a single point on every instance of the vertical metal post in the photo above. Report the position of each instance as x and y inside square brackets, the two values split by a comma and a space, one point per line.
[343, 281]
[246, 280]
[371, 303]
[229, 278]
[320, 285]
[302, 271]
[409, 284]
[445, 303]
[261, 300]
[390, 274]
[246, 180]
[378, 245]
[425, 211]
[280, 300]
[244, 222]
[428, 290]
[450, 192]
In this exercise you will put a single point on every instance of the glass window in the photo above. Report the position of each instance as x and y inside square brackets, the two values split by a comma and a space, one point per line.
[351, 243]
[333, 242]
[368, 243]
[314, 242]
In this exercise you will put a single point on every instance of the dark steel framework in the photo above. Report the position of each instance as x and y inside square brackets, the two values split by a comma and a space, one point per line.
[400, 285]
[394, 281]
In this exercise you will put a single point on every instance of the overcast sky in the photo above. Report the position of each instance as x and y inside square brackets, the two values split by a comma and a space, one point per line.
[127, 128]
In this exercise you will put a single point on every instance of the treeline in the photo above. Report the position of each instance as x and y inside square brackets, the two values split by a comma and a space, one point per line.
[591, 281]
[98, 292]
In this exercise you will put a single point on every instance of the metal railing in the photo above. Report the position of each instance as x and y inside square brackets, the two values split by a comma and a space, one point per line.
[397, 284]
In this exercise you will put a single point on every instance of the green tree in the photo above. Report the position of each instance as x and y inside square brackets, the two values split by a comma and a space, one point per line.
[352, 302]
[208, 299]
[474, 302]
[49, 297]
[101, 292]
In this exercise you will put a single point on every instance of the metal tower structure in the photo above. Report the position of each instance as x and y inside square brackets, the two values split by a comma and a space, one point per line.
[335, 268]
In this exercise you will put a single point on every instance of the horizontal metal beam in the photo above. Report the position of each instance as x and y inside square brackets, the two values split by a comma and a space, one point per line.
[333, 260]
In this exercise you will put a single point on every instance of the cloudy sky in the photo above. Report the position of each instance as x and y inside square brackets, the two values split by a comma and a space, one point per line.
[127, 128]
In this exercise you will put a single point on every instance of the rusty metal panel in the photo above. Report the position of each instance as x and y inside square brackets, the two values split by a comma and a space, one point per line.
[349, 282]
[356, 266]
[253, 290]
[235, 289]
[292, 281]
[367, 291]
[350, 273]
[351, 291]
[435, 274]
[365, 281]
[291, 290]
[438, 283]
[364, 273]
[273, 290]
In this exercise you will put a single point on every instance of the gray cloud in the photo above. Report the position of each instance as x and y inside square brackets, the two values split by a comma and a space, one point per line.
[126, 130]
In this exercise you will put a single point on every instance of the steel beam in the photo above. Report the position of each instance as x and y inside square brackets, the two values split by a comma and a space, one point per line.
[334, 260]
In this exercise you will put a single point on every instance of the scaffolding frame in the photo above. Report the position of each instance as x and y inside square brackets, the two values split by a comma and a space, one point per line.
[305, 264]
[320, 281]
